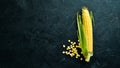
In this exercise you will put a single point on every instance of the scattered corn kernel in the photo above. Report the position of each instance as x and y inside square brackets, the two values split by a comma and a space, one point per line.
[81, 52]
[76, 57]
[77, 46]
[71, 50]
[72, 54]
[68, 40]
[63, 52]
[81, 58]
[64, 46]
[74, 43]
[67, 53]
[71, 42]
[68, 48]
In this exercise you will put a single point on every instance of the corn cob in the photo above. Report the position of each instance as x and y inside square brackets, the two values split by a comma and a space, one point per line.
[85, 33]
[87, 22]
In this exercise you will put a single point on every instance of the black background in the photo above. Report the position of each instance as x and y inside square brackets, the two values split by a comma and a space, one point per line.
[32, 33]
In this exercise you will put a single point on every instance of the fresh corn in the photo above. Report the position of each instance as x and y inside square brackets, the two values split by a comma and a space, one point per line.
[87, 22]
[85, 33]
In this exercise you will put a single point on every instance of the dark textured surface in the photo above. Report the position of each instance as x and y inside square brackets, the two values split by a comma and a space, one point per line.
[32, 33]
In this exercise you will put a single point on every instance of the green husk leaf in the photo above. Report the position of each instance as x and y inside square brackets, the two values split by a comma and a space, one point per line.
[79, 28]
[81, 36]
[92, 17]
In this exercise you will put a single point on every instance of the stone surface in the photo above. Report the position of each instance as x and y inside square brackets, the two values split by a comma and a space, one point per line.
[32, 33]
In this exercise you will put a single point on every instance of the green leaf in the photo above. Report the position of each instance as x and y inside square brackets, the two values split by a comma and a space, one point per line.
[82, 36]
[92, 17]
